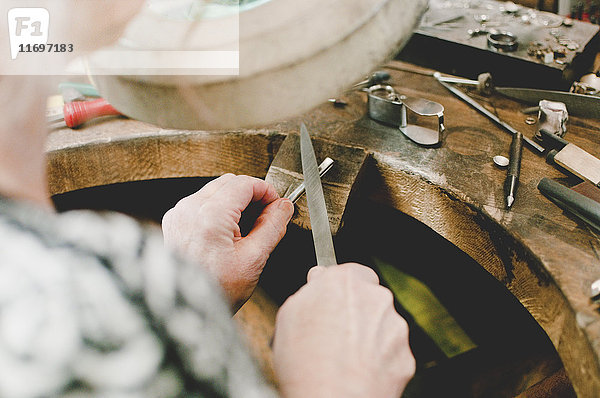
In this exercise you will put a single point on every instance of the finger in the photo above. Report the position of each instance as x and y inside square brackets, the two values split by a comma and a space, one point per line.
[364, 273]
[216, 184]
[238, 192]
[269, 228]
[314, 273]
[209, 189]
[361, 271]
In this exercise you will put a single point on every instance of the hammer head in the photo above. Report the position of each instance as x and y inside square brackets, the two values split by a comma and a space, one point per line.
[485, 84]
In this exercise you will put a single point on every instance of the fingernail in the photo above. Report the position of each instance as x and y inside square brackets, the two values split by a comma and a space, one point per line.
[287, 206]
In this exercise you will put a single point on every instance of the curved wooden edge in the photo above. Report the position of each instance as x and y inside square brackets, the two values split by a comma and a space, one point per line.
[159, 154]
[527, 272]
[522, 272]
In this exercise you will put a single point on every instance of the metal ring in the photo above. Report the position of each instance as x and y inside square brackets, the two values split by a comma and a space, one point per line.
[503, 41]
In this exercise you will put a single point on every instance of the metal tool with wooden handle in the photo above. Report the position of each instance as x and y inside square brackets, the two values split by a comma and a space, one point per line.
[317, 210]
[572, 158]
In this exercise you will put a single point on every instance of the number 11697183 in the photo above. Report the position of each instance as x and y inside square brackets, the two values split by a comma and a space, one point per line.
[50, 48]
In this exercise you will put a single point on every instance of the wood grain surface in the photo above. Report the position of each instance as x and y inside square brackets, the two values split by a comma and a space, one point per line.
[545, 257]
[338, 183]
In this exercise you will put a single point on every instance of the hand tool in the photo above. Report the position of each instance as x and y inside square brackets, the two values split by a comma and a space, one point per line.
[338, 103]
[484, 82]
[584, 208]
[487, 113]
[588, 189]
[391, 109]
[296, 193]
[572, 158]
[317, 210]
[376, 78]
[76, 113]
[577, 104]
[514, 169]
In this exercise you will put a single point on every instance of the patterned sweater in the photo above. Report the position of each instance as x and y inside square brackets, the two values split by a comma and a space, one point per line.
[92, 305]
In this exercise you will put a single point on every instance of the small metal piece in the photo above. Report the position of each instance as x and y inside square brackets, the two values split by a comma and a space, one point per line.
[297, 192]
[530, 120]
[376, 78]
[481, 18]
[553, 118]
[338, 103]
[457, 80]
[502, 41]
[510, 7]
[501, 161]
[588, 84]
[595, 290]
[477, 32]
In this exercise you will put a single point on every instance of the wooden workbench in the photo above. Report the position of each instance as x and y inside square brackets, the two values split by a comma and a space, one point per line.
[544, 257]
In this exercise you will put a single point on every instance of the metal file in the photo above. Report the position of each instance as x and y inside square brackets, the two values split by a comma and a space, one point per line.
[317, 210]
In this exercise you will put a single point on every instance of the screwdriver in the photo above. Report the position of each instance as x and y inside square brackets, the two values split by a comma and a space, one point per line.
[78, 112]
[514, 168]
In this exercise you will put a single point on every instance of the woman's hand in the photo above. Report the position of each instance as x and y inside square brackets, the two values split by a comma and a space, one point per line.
[340, 336]
[204, 227]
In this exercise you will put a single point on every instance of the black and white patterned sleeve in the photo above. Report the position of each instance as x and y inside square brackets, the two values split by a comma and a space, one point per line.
[95, 306]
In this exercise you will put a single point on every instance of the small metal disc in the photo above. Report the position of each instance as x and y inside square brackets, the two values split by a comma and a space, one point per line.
[530, 120]
[500, 161]
[595, 289]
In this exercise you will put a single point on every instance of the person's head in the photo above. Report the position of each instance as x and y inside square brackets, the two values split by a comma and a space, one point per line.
[95, 23]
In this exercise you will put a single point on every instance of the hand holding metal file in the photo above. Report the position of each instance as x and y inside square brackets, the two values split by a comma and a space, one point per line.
[317, 210]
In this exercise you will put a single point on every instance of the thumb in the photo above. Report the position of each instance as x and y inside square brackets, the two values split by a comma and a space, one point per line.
[315, 272]
[270, 226]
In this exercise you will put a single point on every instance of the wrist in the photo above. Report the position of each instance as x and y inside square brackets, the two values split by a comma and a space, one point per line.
[323, 386]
